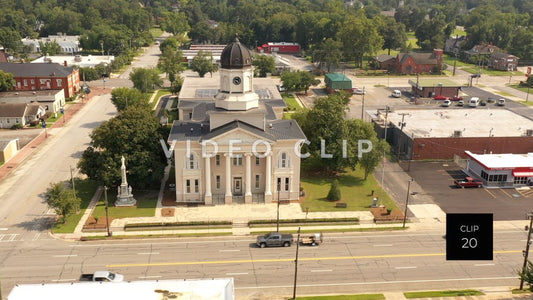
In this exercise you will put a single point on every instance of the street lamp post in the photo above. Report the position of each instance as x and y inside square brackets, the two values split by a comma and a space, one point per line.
[402, 125]
[277, 218]
[526, 252]
[106, 211]
[406, 201]
[363, 105]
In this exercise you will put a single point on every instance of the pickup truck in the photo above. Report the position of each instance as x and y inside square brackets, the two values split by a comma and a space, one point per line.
[102, 276]
[311, 240]
[274, 239]
[468, 182]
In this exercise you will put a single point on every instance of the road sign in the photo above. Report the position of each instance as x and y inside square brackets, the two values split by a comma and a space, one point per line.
[469, 237]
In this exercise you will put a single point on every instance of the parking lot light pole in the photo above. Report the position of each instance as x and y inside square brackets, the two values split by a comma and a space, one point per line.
[526, 252]
[406, 201]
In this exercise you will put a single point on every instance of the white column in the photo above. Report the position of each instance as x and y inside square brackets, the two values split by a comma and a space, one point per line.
[228, 197]
[208, 199]
[248, 175]
[268, 179]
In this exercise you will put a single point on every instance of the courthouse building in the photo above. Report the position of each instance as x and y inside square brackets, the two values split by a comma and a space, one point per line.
[231, 144]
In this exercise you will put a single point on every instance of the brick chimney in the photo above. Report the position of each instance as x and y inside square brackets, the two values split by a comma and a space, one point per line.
[438, 55]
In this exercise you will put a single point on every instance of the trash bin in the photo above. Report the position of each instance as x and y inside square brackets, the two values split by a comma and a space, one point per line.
[375, 202]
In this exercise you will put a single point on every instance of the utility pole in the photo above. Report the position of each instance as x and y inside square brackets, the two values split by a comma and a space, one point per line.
[406, 201]
[296, 265]
[363, 106]
[383, 159]
[402, 125]
[106, 211]
[72, 180]
[526, 252]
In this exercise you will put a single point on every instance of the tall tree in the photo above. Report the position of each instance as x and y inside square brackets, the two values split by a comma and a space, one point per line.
[328, 53]
[145, 79]
[359, 36]
[175, 23]
[49, 48]
[7, 82]
[431, 34]
[202, 63]
[264, 64]
[124, 97]
[170, 62]
[393, 33]
[62, 199]
[134, 134]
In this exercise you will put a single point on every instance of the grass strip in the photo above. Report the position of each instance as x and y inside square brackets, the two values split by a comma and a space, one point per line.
[452, 293]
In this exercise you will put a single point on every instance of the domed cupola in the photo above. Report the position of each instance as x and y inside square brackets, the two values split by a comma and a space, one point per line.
[235, 56]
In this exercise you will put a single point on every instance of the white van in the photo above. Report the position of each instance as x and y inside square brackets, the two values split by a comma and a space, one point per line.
[396, 94]
[473, 102]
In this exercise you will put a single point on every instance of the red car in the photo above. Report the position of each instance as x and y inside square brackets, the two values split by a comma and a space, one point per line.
[440, 97]
[455, 98]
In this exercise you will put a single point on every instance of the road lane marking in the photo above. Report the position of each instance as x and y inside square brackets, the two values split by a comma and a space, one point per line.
[236, 250]
[4, 229]
[219, 262]
[36, 236]
[374, 283]
[232, 274]
[66, 255]
[148, 277]
[317, 271]
[402, 268]
[147, 253]
[482, 265]
[508, 195]
[383, 245]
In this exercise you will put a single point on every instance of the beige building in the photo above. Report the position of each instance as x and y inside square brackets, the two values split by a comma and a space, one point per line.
[231, 145]
[8, 149]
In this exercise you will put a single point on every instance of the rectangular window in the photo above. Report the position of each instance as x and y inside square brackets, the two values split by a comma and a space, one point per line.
[191, 162]
[257, 181]
[520, 180]
[59, 82]
[32, 81]
[25, 82]
[237, 161]
[218, 182]
[287, 184]
[196, 186]
[217, 160]
[257, 161]
[278, 185]
[17, 120]
[188, 186]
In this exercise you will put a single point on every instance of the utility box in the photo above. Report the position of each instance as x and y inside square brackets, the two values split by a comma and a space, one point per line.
[336, 82]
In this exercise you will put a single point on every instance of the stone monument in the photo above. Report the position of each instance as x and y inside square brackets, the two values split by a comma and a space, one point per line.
[124, 195]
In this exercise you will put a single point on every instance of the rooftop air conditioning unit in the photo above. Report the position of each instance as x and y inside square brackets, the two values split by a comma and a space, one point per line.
[457, 133]
[529, 132]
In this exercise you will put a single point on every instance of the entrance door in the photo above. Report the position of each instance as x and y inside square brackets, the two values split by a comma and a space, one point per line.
[237, 185]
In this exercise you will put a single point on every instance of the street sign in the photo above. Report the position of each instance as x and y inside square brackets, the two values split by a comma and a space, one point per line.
[469, 237]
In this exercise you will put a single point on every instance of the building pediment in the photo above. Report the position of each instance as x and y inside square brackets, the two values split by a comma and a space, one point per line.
[244, 135]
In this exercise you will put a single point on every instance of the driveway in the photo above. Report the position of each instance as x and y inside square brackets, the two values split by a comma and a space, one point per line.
[436, 180]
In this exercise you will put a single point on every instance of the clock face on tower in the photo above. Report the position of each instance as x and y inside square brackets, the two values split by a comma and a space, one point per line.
[236, 80]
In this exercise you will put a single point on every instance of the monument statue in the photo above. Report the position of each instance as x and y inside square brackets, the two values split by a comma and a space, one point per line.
[124, 196]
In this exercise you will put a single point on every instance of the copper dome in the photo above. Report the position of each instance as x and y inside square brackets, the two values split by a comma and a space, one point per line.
[235, 56]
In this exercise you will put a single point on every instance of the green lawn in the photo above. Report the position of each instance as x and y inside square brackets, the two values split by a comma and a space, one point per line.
[345, 297]
[146, 203]
[355, 191]
[292, 103]
[85, 189]
[443, 294]
[156, 32]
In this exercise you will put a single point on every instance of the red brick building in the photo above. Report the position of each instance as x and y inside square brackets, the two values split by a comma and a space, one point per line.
[414, 63]
[503, 61]
[44, 76]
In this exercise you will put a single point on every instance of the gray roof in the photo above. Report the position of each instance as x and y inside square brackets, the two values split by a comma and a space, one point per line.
[419, 58]
[200, 108]
[286, 130]
[499, 55]
[38, 69]
[384, 57]
[12, 110]
[182, 131]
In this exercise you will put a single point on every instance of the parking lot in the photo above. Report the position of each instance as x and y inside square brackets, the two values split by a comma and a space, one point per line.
[436, 179]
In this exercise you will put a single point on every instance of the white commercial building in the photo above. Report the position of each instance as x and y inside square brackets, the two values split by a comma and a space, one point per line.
[501, 170]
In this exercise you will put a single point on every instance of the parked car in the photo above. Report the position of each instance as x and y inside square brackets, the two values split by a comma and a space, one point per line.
[440, 97]
[491, 100]
[280, 87]
[455, 98]
[396, 93]
[473, 102]
[468, 182]
[358, 91]
[483, 103]
[460, 103]
[501, 102]
[446, 103]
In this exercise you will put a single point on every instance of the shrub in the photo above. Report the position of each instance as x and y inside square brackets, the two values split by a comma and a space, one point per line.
[334, 192]
[17, 126]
